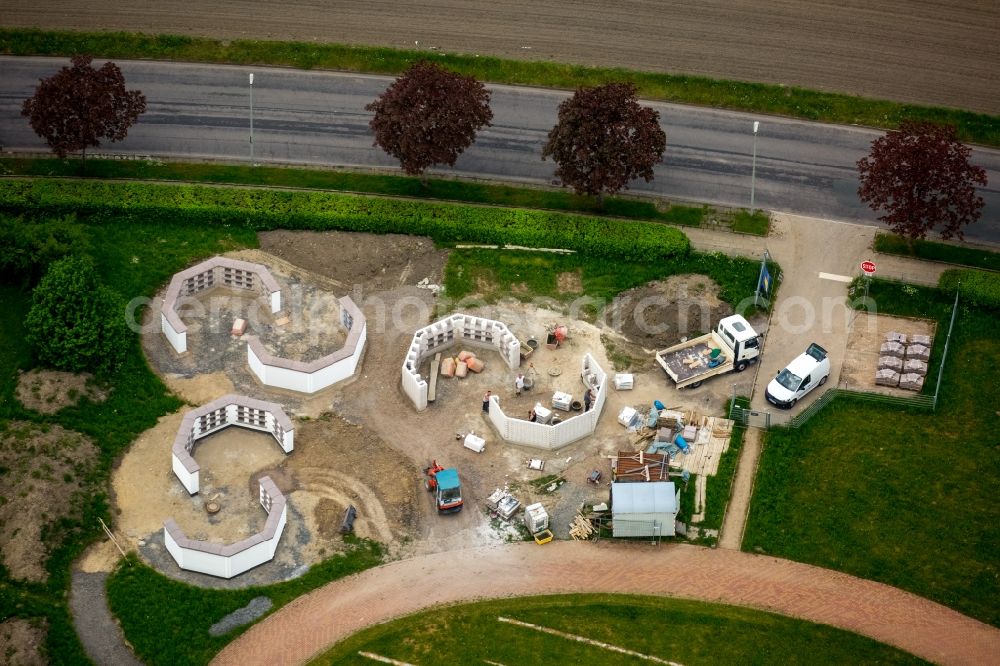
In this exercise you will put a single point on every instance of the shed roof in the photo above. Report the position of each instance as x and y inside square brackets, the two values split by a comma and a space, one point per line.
[653, 497]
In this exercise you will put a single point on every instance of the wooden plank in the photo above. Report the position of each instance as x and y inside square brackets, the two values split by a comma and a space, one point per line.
[432, 384]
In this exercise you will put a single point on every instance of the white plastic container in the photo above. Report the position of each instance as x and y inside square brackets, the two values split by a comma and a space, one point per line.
[536, 518]
[477, 444]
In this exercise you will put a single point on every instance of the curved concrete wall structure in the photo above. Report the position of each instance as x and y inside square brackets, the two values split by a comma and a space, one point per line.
[551, 437]
[228, 560]
[228, 410]
[310, 377]
[211, 273]
[469, 330]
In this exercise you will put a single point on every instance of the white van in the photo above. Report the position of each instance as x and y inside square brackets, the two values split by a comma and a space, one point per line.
[802, 375]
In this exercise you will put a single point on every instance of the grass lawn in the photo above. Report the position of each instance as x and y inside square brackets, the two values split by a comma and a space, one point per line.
[488, 275]
[440, 189]
[687, 632]
[145, 601]
[925, 249]
[135, 260]
[901, 497]
[739, 95]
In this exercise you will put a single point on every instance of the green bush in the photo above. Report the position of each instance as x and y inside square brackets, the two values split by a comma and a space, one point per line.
[275, 209]
[28, 246]
[75, 323]
[978, 288]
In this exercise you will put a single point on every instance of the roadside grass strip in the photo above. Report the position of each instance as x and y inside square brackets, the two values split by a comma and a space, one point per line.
[384, 660]
[588, 641]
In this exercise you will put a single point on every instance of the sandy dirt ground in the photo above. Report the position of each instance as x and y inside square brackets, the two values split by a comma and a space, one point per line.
[22, 642]
[363, 443]
[48, 391]
[43, 468]
[936, 52]
[867, 335]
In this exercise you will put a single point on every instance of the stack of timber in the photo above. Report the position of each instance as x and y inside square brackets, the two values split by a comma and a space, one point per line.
[581, 528]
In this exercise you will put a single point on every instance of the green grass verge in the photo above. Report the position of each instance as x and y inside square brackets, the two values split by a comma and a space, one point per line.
[135, 260]
[145, 601]
[260, 209]
[718, 488]
[892, 495]
[757, 223]
[367, 183]
[757, 97]
[682, 631]
[925, 249]
[474, 275]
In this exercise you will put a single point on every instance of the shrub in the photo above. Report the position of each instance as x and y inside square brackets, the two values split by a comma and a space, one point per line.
[75, 323]
[28, 246]
[978, 288]
[273, 209]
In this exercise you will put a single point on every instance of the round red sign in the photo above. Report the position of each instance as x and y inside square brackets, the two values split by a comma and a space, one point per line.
[868, 267]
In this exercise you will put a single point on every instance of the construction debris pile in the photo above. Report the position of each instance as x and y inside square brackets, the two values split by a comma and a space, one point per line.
[581, 529]
[903, 363]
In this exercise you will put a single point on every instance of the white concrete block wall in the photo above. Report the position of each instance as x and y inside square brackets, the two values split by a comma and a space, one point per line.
[462, 329]
[190, 480]
[551, 437]
[177, 340]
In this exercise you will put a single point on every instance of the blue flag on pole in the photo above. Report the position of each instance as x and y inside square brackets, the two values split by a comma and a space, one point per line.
[764, 285]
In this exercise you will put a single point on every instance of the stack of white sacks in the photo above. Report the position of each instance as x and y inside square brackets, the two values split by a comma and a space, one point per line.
[903, 362]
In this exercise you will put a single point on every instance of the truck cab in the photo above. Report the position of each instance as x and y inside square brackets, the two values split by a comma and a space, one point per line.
[740, 337]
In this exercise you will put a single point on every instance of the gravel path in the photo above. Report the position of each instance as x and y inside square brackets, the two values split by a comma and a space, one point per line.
[309, 624]
[97, 629]
[739, 502]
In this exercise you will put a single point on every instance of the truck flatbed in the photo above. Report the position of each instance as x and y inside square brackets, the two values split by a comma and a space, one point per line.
[689, 362]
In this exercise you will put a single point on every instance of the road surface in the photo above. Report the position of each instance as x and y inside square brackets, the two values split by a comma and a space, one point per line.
[318, 118]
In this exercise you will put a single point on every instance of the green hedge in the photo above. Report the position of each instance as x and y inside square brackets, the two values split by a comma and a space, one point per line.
[925, 249]
[979, 288]
[275, 209]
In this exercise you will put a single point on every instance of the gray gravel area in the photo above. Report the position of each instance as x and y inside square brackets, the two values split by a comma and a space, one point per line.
[253, 610]
[101, 636]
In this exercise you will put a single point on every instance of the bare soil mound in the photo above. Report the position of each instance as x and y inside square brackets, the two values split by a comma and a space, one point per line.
[658, 314]
[43, 468]
[48, 391]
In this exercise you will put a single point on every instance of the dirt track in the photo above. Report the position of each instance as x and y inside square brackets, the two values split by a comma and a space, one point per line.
[317, 620]
[932, 52]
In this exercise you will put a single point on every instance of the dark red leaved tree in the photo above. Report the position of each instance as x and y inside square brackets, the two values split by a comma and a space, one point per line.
[78, 106]
[604, 139]
[920, 177]
[428, 116]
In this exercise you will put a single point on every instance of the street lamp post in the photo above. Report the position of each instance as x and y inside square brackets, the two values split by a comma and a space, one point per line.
[251, 119]
[753, 172]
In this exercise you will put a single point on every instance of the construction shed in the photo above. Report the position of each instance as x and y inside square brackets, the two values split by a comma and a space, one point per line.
[644, 509]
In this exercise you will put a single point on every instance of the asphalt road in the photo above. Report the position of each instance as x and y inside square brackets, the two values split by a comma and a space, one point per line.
[318, 118]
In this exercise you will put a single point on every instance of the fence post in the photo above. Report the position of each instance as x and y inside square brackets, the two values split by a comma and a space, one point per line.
[944, 354]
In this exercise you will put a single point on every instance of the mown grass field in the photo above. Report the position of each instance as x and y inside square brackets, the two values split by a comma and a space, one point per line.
[892, 495]
[681, 631]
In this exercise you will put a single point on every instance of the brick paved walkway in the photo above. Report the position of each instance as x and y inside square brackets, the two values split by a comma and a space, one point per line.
[315, 621]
